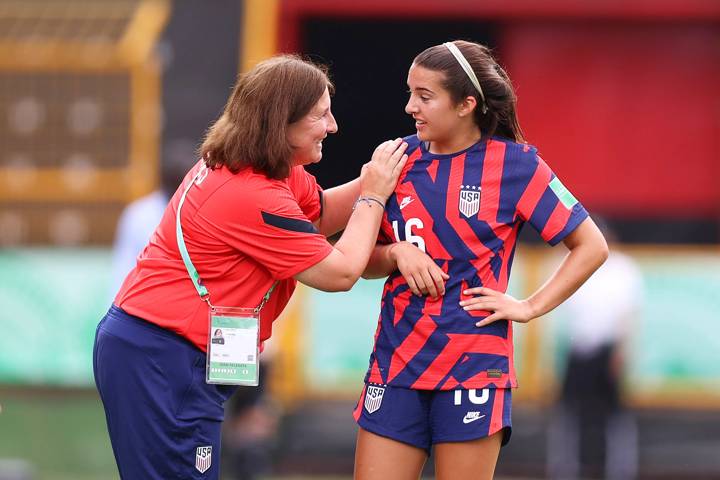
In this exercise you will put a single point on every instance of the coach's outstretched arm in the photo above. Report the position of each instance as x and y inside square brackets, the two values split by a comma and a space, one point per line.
[341, 269]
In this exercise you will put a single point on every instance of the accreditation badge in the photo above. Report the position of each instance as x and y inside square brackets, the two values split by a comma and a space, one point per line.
[232, 348]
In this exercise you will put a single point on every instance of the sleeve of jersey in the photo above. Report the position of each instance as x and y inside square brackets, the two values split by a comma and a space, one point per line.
[546, 203]
[269, 227]
[307, 192]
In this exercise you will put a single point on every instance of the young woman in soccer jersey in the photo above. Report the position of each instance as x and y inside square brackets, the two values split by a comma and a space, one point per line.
[253, 221]
[441, 371]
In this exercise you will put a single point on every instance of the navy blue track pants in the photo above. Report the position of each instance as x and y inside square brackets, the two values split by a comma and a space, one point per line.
[163, 419]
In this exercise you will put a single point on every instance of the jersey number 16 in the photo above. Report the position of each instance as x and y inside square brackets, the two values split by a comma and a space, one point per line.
[416, 240]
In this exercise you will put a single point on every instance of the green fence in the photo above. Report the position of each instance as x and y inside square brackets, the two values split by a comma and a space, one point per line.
[51, 303]
[52, 300]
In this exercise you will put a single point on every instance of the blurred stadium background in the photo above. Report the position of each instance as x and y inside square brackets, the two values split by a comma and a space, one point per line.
[623, 98]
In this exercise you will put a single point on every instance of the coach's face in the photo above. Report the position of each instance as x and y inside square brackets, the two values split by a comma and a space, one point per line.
[307, 134]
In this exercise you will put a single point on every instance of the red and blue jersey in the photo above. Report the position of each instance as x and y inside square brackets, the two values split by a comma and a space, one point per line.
[464, 210]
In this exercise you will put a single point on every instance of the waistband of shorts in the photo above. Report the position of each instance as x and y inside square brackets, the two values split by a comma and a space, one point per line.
[489, 386]
[126, 320]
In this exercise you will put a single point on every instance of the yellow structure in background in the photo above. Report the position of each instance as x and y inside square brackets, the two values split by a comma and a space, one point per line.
[259, 32]
[82, 98]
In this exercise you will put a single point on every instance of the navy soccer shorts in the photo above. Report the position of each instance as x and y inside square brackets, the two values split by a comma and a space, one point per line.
[422, 418]
[164, 420]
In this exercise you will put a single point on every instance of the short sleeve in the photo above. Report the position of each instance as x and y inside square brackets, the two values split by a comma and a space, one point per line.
[307, 192]
[546, 203]
[269, 226]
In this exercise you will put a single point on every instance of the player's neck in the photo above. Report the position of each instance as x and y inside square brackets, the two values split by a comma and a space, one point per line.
[462, 139]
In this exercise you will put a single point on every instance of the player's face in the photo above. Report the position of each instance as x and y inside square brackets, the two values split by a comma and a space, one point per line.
[306, 135]
[435, 113]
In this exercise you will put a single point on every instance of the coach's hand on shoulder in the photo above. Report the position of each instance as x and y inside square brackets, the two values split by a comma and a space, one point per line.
[502, 306]
[379, 176]
[421, 273]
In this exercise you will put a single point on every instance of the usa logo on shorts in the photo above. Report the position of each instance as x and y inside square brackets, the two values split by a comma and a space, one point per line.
[373, 398]
[203, 458]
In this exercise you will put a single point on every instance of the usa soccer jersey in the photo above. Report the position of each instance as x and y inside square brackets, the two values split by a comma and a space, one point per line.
[465, 211]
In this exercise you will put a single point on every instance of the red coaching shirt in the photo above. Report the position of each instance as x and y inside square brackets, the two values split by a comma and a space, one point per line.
[243, 232]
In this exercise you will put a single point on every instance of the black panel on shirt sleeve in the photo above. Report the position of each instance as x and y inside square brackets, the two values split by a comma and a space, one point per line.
[320, 195]
[291, 224]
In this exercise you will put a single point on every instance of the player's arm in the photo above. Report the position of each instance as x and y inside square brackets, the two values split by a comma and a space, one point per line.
[382, 262]
[341, 269]
[337, 207]
[421, 273]
[587, 251]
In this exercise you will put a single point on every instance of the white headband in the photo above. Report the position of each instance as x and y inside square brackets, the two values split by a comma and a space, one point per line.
[468, 70]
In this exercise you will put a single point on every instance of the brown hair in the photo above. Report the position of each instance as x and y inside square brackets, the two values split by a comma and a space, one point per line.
[500, 100]
[252, 131]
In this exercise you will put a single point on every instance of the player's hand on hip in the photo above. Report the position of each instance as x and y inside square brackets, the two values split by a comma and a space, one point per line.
[420, 271]
[380, 175]
[502, 306]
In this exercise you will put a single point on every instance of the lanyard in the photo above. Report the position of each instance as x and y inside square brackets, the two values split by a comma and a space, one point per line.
[192, 271]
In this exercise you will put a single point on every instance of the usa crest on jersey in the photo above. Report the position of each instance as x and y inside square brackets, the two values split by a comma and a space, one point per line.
[469, 203]
[203, 458]
[373, 398]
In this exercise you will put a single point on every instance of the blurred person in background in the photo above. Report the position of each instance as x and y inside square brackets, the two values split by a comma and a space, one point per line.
[139, 219]
[245, 224]
[592, 435]
[441, 372]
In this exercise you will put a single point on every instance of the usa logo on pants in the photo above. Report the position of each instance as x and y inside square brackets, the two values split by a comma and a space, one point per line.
[203, 458]
[373, 398]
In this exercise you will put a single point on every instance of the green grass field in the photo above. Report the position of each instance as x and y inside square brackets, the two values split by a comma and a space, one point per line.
[60, 436]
